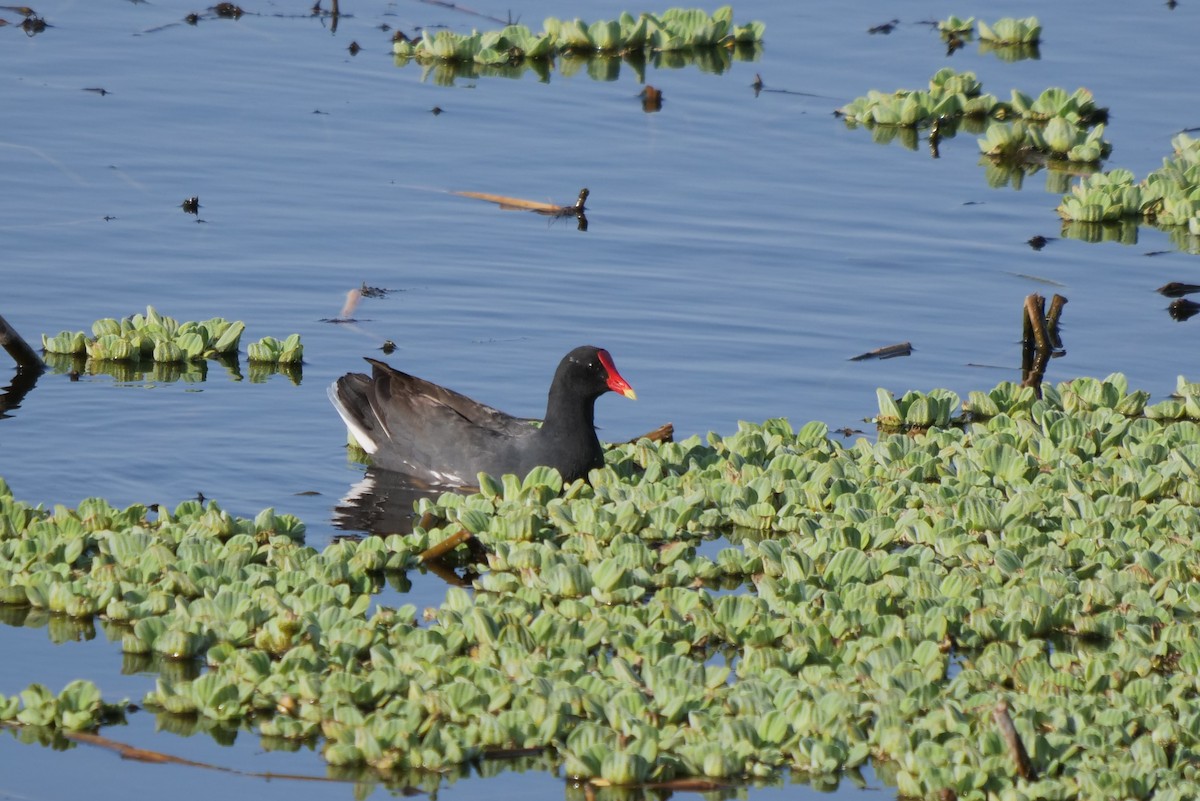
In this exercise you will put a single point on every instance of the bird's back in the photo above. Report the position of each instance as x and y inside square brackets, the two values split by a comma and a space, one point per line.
[413, 426]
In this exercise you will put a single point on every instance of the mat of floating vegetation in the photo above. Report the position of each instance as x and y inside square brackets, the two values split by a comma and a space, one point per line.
[898, 600]
[675, 38]
[1165, 196]
[155, 345]
[1055, 125]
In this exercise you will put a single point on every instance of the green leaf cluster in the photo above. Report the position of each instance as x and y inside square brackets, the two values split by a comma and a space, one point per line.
[1009, 39]
[957, 26]
[1011, 31]
[149, 337]
[171, 350]
[951, 95]
[1055, 124]
[677, 29]
[942, 408]
[1078, 108]
[1168, 197]
[78, 707]
[273, 351]
[1006, 31]
[1057, 138]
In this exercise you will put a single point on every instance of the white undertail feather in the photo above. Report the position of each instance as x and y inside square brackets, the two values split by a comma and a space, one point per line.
[361, 437]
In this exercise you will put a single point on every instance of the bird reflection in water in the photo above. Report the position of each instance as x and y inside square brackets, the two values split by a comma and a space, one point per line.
[384, 502]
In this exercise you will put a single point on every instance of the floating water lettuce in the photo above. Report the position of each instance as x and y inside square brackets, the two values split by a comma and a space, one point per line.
[1077, 108]
[675, 30]
[955, 25]
[1055, 124]
[1058, 138]
[78, 707]
[1036, 551]
[1168, 197]
[149, 337]
[1008, 39]
[1011, 31]
[274, 351]
[951, 95]
[158, 339]
[1006, 31]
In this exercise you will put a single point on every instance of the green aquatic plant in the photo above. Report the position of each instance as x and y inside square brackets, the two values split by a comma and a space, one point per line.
[1173, 190]
[675, 30]
[915, 410]
[1039, 551]
[955, 25]
[1008, 39]
[954, 94]
[1011, 31]
[1078, 108]
[1055, 125]
[1168, 197]
[161, 343]
[79, 707]
[1103, 197]
[150, 337]
[942, 408]
[273, 351]
[1057, 139]
[951, 95]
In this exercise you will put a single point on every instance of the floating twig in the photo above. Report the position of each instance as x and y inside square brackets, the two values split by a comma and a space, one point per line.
[664, 433]
[517, 204]
[436, 552]
[1016, 749]
[25, 356]
[888, 352]
[507, 203]
[1177, 289]
[126, 751]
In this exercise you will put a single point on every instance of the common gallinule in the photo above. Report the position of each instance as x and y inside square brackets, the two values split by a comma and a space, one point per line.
[412, 426]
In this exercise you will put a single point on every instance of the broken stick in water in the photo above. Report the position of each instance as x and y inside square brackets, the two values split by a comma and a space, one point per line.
[25, 356]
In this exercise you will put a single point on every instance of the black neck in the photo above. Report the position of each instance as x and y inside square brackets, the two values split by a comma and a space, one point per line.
[569, 412]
